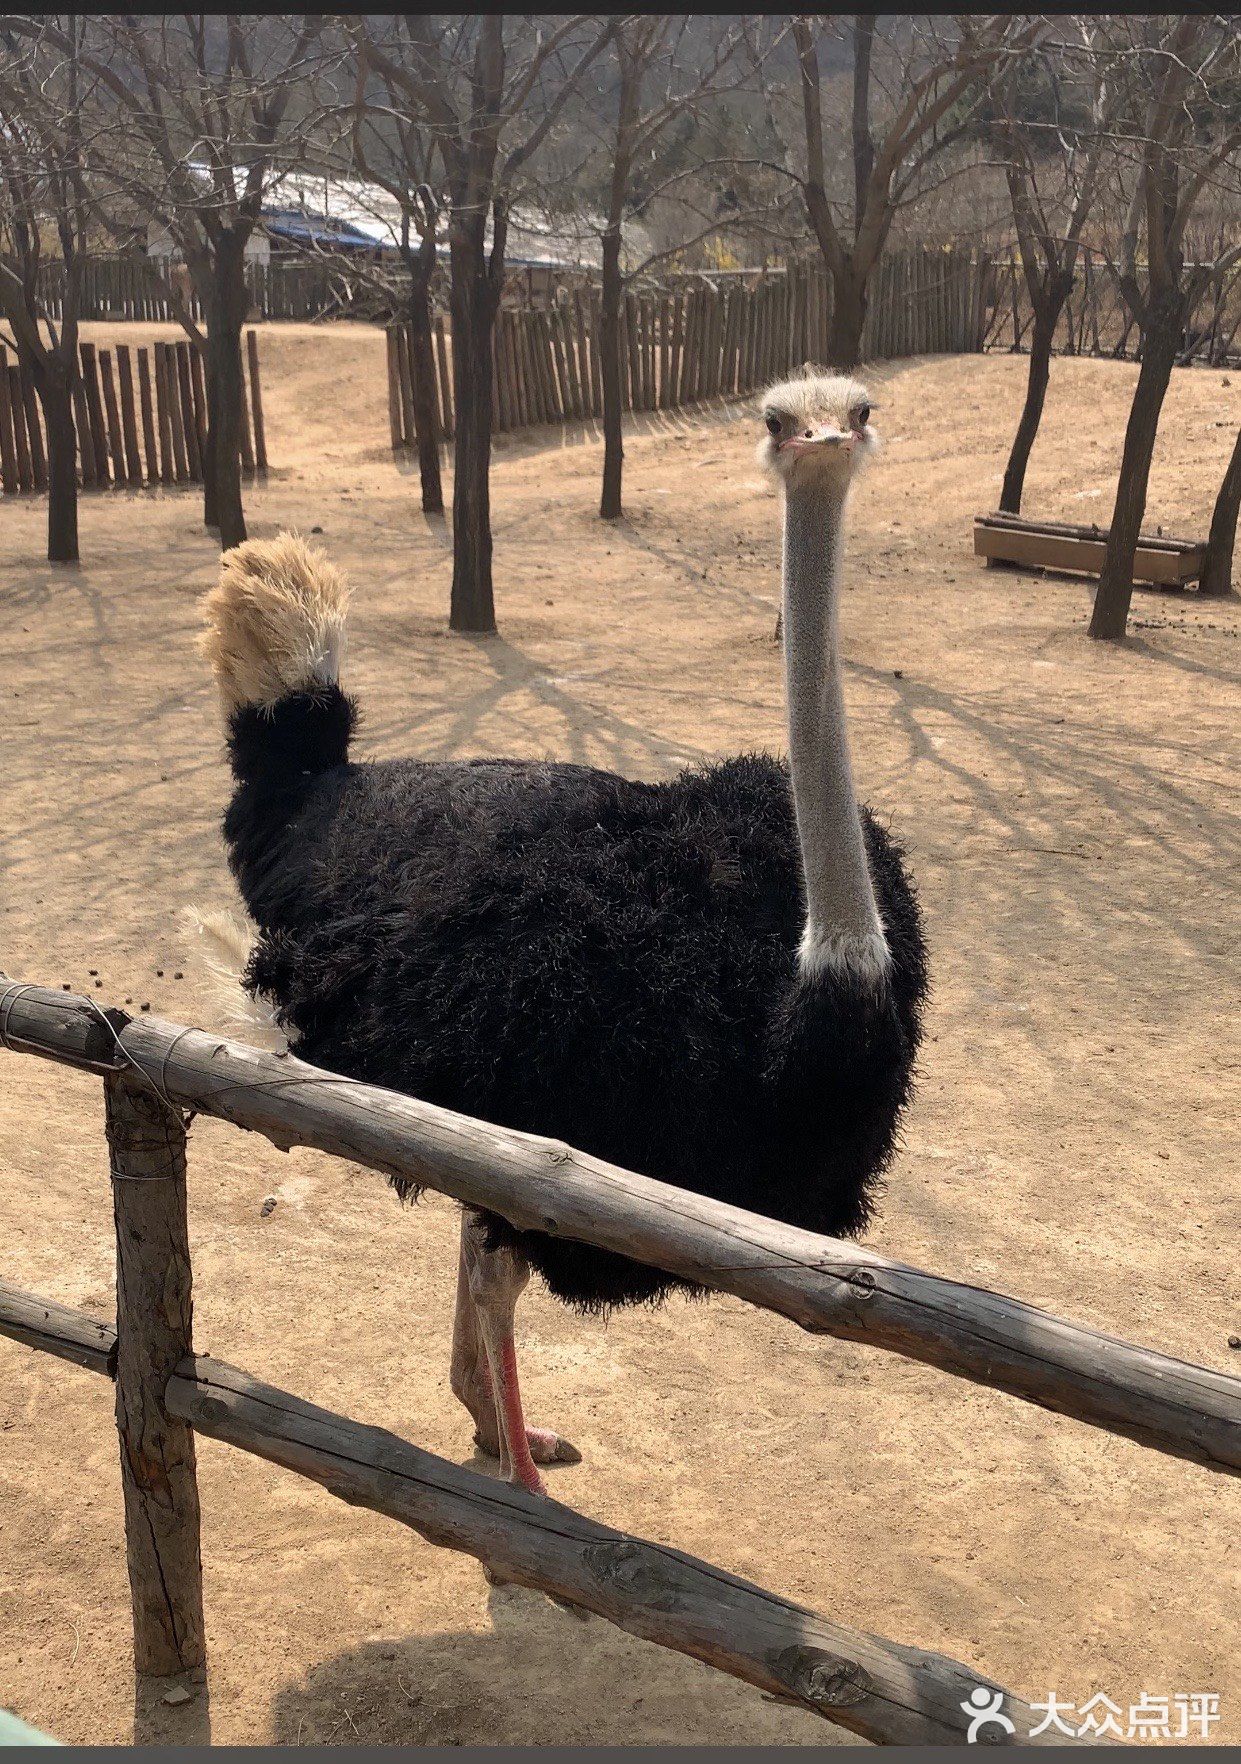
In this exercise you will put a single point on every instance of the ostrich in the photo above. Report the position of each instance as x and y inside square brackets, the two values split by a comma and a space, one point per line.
[717, 980]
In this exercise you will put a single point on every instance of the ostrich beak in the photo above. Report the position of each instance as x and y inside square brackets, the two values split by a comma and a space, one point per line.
[826, 435]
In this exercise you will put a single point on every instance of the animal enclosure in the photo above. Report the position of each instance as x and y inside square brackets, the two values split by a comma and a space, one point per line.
[712, 340]
[169, 406]
[153, 1072]
[865, 1486]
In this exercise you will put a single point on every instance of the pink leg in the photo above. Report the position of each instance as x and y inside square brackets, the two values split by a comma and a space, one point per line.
[484, 1360]
[495, 1318]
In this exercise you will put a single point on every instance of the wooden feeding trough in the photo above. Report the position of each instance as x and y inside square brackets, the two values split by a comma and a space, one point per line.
[1053, 545]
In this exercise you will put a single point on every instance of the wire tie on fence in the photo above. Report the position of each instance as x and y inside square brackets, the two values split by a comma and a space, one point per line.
[159, 1088]
[12, 992]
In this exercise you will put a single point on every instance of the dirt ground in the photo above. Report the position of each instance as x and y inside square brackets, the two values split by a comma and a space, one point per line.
[1068, 812]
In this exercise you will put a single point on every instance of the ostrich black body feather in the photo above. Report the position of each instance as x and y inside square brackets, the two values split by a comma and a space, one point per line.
[571, 953]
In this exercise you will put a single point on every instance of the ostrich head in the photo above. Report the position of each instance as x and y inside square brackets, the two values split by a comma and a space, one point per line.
[817, 430]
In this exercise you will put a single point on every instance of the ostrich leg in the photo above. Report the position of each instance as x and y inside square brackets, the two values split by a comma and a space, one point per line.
[484, 1360]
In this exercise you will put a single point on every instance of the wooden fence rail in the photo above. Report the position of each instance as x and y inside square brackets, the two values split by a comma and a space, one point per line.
[826, 1285]
[887, 1692]
[706, 341]
[168, 400]
[152, 1071]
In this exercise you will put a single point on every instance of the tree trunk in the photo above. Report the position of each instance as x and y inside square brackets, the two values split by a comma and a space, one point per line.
[610, 365]
[1217, 575]
[225, 392]
[473, 315]
[1160, 341]
[1047, 310]
[422, 372]
[844, 342]
[56, 397]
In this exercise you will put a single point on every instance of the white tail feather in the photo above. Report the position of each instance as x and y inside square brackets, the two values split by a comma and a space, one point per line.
[220, 943]
[274, 622]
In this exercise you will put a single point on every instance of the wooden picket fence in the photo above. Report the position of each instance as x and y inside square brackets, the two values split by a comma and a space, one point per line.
[132, 286]
[114, 286]
[1096, 321]
[708, 341]
[168, 401]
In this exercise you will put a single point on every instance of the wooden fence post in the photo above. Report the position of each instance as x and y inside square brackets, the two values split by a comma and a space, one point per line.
[677, 352]
[442, 356]
[189, 417]
[37, 451]
[405, 386]
[394, 390]
[94, 406]
[198, 383]
[172, 385]
[256, 402]
[129, 423]
[577, 366]
[115, 442]
[148, 416]
[154, 1311]
[81, 422]
[25, 466]
[245, 445]
[507, 320]
[583, 355]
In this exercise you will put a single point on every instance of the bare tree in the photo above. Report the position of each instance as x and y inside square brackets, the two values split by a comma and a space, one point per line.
[186, 127]
[1184, 134]
[490, 89]
[644, 48]
[935, 78]
[1052, 166]
[43, 199]
[394, 150]
[1222, 540]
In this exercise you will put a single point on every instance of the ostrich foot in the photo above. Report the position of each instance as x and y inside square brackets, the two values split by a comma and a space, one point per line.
[545, 1446]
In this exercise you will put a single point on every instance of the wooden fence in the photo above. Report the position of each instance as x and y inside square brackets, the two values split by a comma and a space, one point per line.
[153, 1072]
[1096, 321]
[168, 407]
[706, 342]
[133, 286]
[290, 285]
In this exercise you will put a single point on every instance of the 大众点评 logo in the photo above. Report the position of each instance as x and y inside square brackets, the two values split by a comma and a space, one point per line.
[1183, 1715]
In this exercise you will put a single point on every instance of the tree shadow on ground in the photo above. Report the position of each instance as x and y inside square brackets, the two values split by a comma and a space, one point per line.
[588, 734]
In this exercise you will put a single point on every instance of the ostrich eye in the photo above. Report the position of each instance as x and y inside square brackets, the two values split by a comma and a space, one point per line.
[773, 425]
[861, 415]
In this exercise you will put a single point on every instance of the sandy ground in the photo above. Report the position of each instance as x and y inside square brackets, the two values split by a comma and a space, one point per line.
[1067, 810]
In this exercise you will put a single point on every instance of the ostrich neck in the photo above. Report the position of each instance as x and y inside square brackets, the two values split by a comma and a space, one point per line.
[843, 927]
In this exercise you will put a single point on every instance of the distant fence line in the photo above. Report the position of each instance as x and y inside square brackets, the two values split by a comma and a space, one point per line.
[1096, 321]
[906, 289]
[290, 286]
[706, 342]
[169, 410]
